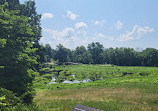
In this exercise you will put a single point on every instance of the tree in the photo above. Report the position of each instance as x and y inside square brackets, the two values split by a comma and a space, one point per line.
[62, 54]
[12, 4]
[82, 55]
[28, 9]
[16, 53]
[150, 57]
[49, 52]
[124, 56]
[96, 51]
[109, 55]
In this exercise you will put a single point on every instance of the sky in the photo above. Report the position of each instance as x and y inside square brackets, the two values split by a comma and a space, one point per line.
[113, 23]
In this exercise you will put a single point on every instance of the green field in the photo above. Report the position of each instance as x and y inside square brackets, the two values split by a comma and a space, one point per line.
[111, 88]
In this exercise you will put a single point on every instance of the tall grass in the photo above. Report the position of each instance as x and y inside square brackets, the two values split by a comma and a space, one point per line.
[124, 98]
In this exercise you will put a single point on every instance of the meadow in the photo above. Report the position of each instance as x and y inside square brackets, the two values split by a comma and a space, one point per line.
[110, 88]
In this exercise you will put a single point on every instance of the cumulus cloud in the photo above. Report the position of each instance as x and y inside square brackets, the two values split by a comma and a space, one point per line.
[103, 36]
[80, 25]
[69, 37]
[72, 37]
[47, 16]
[66, 37]
[66, 33]
[99, 22]
[136, 33]
[71, 15]
[118, 25]
[81, 33]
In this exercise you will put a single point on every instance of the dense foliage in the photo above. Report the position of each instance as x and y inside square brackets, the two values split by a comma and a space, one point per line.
[20, 30]
[8, 99]
[95, 53]
[10, 102]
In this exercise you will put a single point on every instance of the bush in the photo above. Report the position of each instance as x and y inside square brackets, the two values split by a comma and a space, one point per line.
[2, 105]
[10, 102]
[8, 99]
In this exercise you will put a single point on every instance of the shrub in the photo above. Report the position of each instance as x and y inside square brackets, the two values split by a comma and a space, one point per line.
[10, 102]
[8, 99]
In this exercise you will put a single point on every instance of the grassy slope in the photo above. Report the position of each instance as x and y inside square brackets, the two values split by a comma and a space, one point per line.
[137, 90]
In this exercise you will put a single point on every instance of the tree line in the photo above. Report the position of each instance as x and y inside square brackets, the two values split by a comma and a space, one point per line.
[95, 53]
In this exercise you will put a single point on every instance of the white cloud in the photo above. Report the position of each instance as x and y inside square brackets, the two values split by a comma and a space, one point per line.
[142, 31]
[72, 37]
[119, 25]
[136, 33]
[66, 37]
[71, 15]
[103, 36]
[47, 16]
[99, 22]
[66, 33]
[80, 25]
[69, 37]
[81, 33]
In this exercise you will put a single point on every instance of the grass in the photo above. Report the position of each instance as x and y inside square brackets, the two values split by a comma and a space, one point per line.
[117, 98]
[137, 90]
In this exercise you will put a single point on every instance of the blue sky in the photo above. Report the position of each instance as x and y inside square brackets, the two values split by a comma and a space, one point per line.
[113, 23]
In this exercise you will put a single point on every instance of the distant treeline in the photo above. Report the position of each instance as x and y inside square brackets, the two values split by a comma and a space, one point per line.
[95, 53]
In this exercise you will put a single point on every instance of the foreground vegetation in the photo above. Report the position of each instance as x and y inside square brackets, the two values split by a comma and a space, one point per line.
[120, 98]
[117, 88]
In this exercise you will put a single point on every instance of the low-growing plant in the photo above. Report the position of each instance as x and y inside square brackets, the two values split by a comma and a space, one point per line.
[2, 104]
[10, 102]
